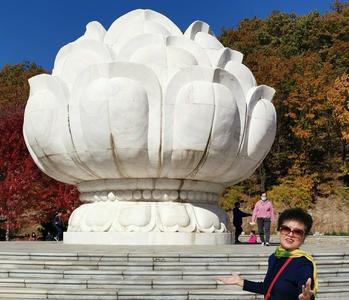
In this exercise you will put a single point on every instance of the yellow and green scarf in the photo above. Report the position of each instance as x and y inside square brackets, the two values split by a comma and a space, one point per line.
[280, 252]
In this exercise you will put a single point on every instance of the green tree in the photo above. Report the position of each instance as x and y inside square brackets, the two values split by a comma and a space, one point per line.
[14, 87]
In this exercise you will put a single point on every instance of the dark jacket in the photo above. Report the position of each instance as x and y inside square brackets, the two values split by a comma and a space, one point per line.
[238, 215]
[289, 284]
[57, 221]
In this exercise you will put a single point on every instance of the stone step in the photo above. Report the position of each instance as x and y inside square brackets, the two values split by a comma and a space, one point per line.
[322, 273]
[229, 293]
[159, 283]
[38, 293]
[7, 266]
[152, 257]
[246, 265]
[146, 274]
[62, 264]
[58, 271]
[336, 293]
[121, 265]
[233, 294]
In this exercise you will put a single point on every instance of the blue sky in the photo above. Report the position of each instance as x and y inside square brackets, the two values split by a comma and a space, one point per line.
[35, 30]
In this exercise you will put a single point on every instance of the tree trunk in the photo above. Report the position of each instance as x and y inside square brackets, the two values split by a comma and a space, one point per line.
[262, 176]
[344, 150]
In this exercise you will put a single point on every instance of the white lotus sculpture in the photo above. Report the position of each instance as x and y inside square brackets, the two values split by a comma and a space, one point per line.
[151, 124]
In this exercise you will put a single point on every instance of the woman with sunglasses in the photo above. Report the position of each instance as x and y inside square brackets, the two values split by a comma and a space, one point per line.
[291, 272]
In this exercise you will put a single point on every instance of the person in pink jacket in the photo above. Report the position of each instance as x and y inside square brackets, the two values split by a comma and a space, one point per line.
[263, 214]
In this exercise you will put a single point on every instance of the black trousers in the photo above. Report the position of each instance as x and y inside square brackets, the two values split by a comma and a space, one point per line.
[264, 227]
[238, 231]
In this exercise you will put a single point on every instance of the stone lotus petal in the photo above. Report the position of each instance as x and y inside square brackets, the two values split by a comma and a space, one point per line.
[242, 74]
[151, 124]
[136, 23]
[47, 139]
[219, 55]
[259, 135]
[202, 150]
[85, 51]
[195, 27]
[104, 102]
[165, 55]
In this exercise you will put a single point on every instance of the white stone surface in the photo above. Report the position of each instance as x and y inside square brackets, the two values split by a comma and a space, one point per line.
[147, 238]
[144, 113]
[144, 216]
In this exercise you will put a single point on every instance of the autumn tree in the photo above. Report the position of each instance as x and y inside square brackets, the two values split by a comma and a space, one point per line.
[301, 57]
[17, 171]
[27, 195]
[338, 96]
[14, 87]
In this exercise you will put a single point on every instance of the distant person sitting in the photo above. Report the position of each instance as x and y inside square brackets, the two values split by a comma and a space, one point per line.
[237, 220]
[49, 236]
[58, 223]
[33, 236]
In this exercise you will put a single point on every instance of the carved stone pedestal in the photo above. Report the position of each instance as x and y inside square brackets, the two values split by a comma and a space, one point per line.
[155, 211]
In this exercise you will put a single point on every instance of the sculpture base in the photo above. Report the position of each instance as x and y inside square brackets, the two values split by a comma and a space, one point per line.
[140, 216]
[147, 238]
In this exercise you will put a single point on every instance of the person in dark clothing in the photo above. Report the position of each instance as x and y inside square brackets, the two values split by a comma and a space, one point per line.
[58, 223]
[49, 236]
[237, 220]
[296, 269]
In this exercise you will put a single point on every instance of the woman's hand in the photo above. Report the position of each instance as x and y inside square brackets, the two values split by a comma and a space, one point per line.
[306, 291]
[234, 279]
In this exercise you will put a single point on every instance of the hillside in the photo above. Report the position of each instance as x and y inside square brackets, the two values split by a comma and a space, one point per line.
[306, 59]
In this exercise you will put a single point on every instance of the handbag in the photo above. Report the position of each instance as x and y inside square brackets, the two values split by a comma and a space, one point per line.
[267, 295]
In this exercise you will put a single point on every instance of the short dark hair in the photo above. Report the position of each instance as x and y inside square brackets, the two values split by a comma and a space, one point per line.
[296, 214]
[237, 203]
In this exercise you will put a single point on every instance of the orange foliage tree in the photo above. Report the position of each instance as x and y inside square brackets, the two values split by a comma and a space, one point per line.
[305, 59]
[338, 96]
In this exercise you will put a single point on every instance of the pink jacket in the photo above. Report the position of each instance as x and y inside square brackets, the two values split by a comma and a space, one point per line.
[263, 209]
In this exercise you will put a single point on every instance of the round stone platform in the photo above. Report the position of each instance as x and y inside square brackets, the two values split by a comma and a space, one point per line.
[147, 238]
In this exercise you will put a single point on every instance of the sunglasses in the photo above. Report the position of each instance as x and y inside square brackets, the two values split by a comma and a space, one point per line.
[285, 230]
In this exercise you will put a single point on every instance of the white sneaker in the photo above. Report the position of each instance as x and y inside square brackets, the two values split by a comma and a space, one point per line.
[267, 244]
[263, 244]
